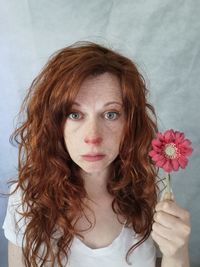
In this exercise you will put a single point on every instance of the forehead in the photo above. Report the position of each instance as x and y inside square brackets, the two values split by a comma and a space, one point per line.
[100, 88]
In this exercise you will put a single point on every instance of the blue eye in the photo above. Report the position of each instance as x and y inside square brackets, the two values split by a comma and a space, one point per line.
[74, 115]
[112, 115]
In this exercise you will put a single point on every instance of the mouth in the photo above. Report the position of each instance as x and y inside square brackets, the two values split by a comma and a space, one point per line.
[93, 157]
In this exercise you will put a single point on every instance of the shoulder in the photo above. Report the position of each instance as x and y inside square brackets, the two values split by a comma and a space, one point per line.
[14, 223]
[15, 197]
[15, 201]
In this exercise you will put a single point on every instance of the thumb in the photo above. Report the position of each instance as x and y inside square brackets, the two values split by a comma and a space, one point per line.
[168, 196]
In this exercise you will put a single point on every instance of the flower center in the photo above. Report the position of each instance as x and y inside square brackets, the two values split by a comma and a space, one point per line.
[171, 151]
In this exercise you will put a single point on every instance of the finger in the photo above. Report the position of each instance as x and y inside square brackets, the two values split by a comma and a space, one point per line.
[162, 231]
[168, 220]
[168, 243]
[164, 244]
[168, 196]
[160, 240]
[167, 233]
[171, 227]
[172, 208]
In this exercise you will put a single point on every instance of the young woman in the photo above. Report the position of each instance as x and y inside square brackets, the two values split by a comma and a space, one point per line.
[86, 191]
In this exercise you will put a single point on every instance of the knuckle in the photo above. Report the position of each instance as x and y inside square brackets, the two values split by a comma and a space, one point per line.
[154, 226]
[166, 206]
[180, 243]
[187, 230]
[156, 216]
[186, 215]
[159, 216]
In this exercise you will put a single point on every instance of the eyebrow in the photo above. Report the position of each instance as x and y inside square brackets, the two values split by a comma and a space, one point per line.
[106, 104]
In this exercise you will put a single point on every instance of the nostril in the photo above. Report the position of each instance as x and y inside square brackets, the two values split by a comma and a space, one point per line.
[96, 140]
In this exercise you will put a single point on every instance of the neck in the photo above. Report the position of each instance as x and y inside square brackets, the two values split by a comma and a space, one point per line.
[96, 184]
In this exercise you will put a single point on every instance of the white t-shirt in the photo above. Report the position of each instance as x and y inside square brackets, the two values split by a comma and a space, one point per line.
[80, 254]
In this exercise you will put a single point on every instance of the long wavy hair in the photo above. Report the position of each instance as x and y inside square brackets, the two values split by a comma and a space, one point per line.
[52, 188]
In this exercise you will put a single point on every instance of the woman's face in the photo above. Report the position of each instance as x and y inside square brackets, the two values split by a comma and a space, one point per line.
[95, 124]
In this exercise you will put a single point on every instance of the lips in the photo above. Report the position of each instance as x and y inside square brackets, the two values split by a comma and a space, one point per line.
[93, 157]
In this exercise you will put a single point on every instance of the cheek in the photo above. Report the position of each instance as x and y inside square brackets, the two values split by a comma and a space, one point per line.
[113, 135]
[71, 138]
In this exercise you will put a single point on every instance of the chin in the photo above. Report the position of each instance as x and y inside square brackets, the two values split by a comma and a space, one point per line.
[93, 167]
[92, 170]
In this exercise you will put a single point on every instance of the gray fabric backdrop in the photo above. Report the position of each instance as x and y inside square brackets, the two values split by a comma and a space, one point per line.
[163, 37]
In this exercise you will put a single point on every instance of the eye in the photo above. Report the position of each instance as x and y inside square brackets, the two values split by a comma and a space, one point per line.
[74, 115]
[112, 115]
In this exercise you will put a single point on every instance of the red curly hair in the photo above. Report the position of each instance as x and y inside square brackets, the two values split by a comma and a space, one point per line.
[53, 190]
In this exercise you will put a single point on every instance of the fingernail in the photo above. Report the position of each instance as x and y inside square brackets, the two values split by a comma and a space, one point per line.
[168, 196]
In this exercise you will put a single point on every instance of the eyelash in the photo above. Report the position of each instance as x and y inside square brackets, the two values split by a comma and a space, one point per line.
[117, 115]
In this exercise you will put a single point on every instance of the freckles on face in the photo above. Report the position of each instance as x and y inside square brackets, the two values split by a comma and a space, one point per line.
[96, 121]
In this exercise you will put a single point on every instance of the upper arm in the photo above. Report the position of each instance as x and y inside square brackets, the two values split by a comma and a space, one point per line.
[14, 255]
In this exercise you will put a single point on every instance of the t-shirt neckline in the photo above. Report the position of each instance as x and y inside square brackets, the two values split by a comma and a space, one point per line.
[103, 250]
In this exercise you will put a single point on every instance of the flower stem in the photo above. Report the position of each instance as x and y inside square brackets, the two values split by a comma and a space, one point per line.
[168, 189]
[168, 183]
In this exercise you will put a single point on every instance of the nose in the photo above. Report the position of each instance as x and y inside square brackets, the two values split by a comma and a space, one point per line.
[93, 136]
[93, 140]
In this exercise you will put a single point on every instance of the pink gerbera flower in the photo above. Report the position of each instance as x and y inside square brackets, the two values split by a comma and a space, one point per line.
[170, 150]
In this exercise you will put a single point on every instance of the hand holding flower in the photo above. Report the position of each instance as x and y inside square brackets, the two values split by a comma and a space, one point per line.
[171, 230]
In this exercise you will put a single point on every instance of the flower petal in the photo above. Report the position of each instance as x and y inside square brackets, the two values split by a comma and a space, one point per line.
[183, 161]
[152, 153]
[157, 157]
[156, 142]
[160, 136]
[161, 162]
[175, 164]
[189, 151]
[179, 136]
[157, 149]
[168, 166]
[186, 151]
[169, 136]
[186, 142]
